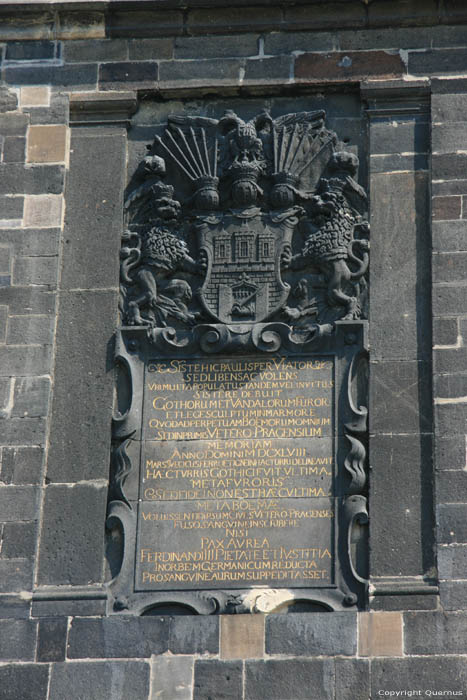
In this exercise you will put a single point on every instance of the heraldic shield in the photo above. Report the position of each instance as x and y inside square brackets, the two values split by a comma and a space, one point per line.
[243, 254]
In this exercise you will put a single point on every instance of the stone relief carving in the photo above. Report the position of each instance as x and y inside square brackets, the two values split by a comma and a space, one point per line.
[232, 222]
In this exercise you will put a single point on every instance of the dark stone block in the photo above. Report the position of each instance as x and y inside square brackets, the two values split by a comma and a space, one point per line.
[56, 113]
[276, 69]
[453, 595]
[221, 680]
[51, 642]
[349, 66]
[448, 137]
[85, 327]
[153, 49]
[36, 301]
[141, 23]
[92, 50]
[452, 522]
[450, 419]
[398, 163]
[447, 107]
[401, 259]
[15, 575]
[201, 71]
[82, 75]
[452, 561]
[397, 136]
[400, 397]
[401, 536]
[23, 330]
[30, 50]
[449, 267]
[438, 62]
[137, 74]
[18, 503]
[453, 11]
[11, 208]
[451, 485]
[23, 361]
[450, 236]
[320, 634]
[31, 241]
[94, 204]
[13, 124]
[37, 270]
[446, 166]
[435, 633]
[388, 603]
[352, 679]
[31, 396]
[16, 178]
[71, 548]
[449, 187]
[449, 300]
[446, 208]
[439, 673]
[415, 12]
[450, 360]
[14, 607]
[25, 681]
[289, 679]
[216, 47]
[118, 680]
[19, 539]
[14, 149]
[118, 637]
[191, 634]
[450, 452]
[285, 42]
[59, 608]
[8, 100]
[450, 385]
[228, 20]
[307, 17]
[445, 331]
[17, 640]
[385, 38]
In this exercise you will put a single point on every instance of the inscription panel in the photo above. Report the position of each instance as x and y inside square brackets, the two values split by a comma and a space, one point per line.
[237, 474]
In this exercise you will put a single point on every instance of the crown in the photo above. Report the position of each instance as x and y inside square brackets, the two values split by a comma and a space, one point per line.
[245, 170]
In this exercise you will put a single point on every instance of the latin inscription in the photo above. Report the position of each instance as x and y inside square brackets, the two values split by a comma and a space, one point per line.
[237, 474]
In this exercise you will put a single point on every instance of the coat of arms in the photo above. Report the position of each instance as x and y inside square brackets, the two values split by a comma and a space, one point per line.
[233, 222]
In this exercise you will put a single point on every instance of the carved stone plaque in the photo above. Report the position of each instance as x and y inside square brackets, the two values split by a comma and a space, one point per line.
[239, 459]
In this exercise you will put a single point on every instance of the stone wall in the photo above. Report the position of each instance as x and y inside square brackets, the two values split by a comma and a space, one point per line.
[72, 79]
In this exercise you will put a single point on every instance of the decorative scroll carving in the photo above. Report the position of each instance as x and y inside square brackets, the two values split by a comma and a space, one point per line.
[233, 222]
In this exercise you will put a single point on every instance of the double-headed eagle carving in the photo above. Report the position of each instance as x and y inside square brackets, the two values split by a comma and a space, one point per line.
[231, 221]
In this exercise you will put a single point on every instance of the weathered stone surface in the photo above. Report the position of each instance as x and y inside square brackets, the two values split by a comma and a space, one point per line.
[447, 166]
[92, 50]
[31, 242]
[61, 608]
[30, 50]
[217, 71]
[380, 634]
[94, 204]
[55, 113]
[450, 236]
[11, 207]
[25, 330]
[284, 42]
[79, 75]
[118, 637]
[453, 595]
[445, 331]
[172, 678]
[437, 62]
[13, 124]
[14, 149]
[120, 76]
[398, 163]
[442, 673]
[25, 681]
[14, 607]
[43, 211]
[402, 527]
[444, 187]
[449, 267]
[18, 501]
[353, 65]
[35, 270]
[24, 361]
[35, 96]
[448, 300]
[452, 561]
[289, 679]
[242, 636]
[435, 633]
[217, 679]
[32, 179]
[194, 635]
[263, 70]
[320, 634]
[15, 575]
[400, 397]
[450, 485]
[81, 24]
[118, 680]
[72, 545]
[230, 20]
[19, 538]
[450, 452]
[304, 16]
[416, 12]
[141, 23]
[17, 640]
[47, 144]
[451, 420]
[51, 641]
[151, 49]
[352, 679]
[450, 386]
[397, 603]
[398, 136]
[229, 46]
[8, 100]
[452, 522]
[445, 208]
[447, 360]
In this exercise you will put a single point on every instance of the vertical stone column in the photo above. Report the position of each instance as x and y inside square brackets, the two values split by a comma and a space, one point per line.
[72, 539]
[401, 495]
